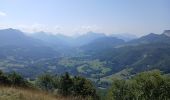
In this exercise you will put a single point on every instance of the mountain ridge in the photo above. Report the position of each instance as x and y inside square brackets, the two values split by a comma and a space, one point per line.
[99, 56]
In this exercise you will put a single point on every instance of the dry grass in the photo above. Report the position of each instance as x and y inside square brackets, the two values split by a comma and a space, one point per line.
[10, 93]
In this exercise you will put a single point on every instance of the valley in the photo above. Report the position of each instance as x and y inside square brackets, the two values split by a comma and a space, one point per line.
[96, 56]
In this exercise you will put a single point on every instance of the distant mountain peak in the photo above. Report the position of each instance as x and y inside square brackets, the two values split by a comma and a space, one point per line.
[91, 33]
[149, 36]
[11, 30]
[124, 36]
[152, 34]
[167, 33]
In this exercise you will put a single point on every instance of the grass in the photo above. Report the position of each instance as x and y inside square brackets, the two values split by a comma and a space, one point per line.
[82, 68]
[119, 75]
[93, 66]
[11, 93]
[68, 62]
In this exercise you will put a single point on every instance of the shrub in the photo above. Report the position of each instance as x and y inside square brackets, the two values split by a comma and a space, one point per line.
[4, 79]
[66, 84]
[83, 87]
[149, 85]
[47, 82]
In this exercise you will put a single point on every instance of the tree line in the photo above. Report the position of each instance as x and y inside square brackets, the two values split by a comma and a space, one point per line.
[65, 85]
[150, 85]
[13, 79]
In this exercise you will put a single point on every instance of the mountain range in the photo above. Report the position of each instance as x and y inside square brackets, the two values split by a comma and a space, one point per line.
[94, 55]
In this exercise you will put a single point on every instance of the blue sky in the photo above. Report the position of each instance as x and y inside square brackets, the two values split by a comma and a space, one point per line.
[79, 16]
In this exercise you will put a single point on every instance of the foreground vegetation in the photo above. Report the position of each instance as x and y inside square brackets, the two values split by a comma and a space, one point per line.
[14, 93]
[58, 86]
[150, 85]
[66, 85]
[11, 93]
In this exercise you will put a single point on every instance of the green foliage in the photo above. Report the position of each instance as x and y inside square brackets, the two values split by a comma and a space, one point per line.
[83, 87]
[13, 79]
[144, 86]
[16, 79]
[77, 86]
[47, 82]
[101, 93]
[66, 84]
[153, 85]
[4, 79]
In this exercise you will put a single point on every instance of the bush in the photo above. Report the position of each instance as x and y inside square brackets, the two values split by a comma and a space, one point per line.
[83, 87]
[16, 79]
[77, 86]
[13, 79]
[149, 85]
[47, 82]
[4, 79]
[66, 85]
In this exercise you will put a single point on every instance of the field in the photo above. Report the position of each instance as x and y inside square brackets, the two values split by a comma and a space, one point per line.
[11, 93]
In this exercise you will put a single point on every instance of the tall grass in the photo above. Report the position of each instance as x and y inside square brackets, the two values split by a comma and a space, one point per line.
[12, 93]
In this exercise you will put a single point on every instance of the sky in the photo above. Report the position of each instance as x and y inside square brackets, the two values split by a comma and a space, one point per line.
[71, 17]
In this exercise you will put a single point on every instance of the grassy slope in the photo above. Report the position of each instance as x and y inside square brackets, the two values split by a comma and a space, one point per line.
[10, 93]
[119, 75]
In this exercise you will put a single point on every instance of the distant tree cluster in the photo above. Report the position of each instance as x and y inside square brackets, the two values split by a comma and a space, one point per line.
[67, 85]
[13, 79]
[149, 85]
